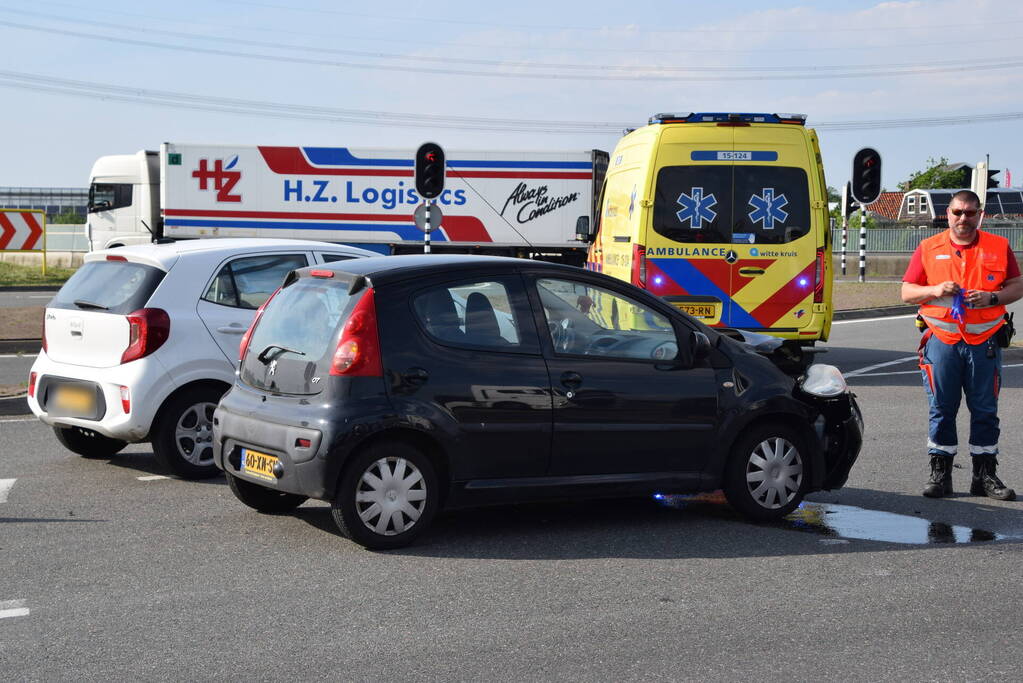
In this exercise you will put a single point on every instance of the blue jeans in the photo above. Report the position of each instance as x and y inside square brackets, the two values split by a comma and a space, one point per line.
[951, 370]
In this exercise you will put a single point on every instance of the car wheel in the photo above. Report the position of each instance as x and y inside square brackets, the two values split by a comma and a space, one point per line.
[765, 478]
[87, 443]
[183, 436]
[262, 498]
[388, 495]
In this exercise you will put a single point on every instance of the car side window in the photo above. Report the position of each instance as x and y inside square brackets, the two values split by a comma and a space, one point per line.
[583, 319]
[328, 257]
[249, 281]
[474, 314]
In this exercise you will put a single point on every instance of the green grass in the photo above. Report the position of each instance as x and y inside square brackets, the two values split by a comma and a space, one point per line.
[13, 274]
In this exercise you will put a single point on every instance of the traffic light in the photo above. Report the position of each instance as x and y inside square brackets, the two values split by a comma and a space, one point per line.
[429, 170]
[991, 182]
[866, 176]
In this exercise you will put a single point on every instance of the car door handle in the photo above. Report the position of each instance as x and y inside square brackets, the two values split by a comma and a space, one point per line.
[232, 329]
[751, 271]
[415, 376]
[571, 379]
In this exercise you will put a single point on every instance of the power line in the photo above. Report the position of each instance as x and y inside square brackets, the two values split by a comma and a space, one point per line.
[163, 98]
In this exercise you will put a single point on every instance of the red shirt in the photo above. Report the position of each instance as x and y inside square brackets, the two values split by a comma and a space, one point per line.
[915, 271]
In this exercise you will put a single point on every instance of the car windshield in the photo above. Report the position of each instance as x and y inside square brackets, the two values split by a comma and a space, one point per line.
[292, 346]
[119, 287]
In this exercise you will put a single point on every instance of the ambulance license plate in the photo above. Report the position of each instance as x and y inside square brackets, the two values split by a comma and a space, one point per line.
[258, 464]
[74, 399]
[699, 310]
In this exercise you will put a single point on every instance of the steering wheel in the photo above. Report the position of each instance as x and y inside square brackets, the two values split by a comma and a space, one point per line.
[562, 334]
[600, 345]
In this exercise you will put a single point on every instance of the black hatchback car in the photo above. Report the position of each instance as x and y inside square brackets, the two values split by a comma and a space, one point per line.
[395, 386]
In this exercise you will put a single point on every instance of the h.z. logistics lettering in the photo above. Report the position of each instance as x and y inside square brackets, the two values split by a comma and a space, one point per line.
[387, 197]
[686, 251]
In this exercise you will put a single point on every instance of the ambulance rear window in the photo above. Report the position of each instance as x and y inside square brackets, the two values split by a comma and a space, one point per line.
[732, 204]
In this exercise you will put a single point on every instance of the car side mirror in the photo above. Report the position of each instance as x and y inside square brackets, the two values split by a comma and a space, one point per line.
[694, 348]
[582, 229]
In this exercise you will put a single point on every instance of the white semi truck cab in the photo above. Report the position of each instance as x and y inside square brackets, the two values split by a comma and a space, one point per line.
[124, 200]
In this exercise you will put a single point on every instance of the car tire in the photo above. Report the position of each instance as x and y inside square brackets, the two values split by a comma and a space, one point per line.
[87, 443]
[263, 499]
[766, 475]
[388, 495]
[183, 434]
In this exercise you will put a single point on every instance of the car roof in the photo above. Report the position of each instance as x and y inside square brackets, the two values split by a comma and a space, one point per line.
[392, 268]
[164, 255]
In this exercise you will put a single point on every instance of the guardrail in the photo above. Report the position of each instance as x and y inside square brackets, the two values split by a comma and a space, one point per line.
[899, 240]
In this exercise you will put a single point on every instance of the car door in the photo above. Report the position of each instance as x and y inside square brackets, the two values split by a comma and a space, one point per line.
[471, 363]
[240, 286]
[623, 402]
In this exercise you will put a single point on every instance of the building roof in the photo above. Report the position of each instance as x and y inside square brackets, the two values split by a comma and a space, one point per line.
[887, 205]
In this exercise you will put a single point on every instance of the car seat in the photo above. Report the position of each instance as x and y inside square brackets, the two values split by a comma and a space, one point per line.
[481, 321]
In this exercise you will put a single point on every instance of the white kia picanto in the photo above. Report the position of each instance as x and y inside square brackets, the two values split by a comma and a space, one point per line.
[142, 341]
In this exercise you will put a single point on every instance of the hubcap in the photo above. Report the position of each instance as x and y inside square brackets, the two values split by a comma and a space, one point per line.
[390, 496]
[774, 473]
[193, 434]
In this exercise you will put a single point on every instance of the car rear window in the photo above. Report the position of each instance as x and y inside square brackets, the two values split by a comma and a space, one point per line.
[119, 287]
[292, 346]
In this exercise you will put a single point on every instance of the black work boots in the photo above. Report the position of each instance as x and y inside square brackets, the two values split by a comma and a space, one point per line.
[940, 482]
[985, 481]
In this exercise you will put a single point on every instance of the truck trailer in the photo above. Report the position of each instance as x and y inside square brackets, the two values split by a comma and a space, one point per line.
[510, 203]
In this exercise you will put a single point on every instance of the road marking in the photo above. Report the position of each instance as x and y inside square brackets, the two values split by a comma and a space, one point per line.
[13, 608]
[873, 320]
[18, 419]
[152, 477]
[5, 487]
[871, 368]
[27, 356]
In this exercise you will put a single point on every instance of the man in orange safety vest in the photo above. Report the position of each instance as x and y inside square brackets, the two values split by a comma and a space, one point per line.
[963, 278]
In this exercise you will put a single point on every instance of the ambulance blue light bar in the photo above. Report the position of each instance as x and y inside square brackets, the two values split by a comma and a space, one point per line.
[724, 117]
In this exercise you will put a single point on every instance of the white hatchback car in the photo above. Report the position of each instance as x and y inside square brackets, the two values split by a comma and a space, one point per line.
[142, 341]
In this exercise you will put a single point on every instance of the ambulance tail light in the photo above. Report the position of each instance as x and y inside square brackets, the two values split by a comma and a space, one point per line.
[243, 346]
[818, 277]
[639, 265]
[358, 351]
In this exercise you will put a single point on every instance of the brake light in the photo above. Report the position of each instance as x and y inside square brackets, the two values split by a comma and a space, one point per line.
[148, 329]
[32, 384]
[358, 352]
[639, 265]
[116, 258]
[45, 345]
[322, 273]
[818, 277]
[126, 400]
[247, 337]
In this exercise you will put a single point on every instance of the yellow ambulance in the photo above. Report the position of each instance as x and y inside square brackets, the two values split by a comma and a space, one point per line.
[725, 215]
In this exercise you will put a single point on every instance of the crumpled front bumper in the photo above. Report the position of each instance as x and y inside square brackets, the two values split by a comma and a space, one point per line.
[839, 430]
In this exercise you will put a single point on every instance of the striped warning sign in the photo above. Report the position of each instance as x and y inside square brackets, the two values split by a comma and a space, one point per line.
[21, 229]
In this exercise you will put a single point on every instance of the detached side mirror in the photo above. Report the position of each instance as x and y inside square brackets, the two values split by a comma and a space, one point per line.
[582, 229]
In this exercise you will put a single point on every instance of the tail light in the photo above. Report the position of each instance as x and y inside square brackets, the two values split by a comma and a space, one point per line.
[148, 329]
[32, 384]
[358, 352]
[126, 400]
[45, 345]
[639, 265]
[247, 337]
[818, 277]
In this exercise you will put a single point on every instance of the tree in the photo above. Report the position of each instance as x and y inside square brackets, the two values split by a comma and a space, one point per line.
[67, 217]
[937, 175]
[834, 195]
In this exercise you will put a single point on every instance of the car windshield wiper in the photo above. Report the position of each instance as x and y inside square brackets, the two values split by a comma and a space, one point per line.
[274, 350]
[82, 303]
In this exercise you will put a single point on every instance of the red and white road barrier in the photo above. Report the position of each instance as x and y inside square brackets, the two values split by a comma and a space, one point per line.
[22, 229]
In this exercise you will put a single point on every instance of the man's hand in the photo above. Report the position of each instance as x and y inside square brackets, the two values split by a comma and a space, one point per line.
[947, 288]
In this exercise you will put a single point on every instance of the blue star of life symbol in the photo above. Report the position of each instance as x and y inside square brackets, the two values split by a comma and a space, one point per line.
[632, 201]
[696, 208]
[767, 208]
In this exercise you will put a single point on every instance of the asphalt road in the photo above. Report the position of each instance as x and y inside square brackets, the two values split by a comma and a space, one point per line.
[109, 573]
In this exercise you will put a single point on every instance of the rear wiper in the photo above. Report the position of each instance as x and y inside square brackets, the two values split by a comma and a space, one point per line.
[82, 303]
[274, 350]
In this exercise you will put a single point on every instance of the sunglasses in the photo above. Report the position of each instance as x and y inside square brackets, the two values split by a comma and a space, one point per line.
[969, 213]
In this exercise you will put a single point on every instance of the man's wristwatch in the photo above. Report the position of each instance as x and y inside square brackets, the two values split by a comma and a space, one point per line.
[994, 299]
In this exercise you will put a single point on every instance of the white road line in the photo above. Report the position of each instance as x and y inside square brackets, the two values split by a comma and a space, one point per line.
[152, 477]
[28, 356]
[871, 368]
[13, 608]
[873, 320]
[5, 488]
[863, 372]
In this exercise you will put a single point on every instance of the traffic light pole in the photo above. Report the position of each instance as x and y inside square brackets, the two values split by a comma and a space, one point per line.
[845, 238]
[863, 243]
[426, 232]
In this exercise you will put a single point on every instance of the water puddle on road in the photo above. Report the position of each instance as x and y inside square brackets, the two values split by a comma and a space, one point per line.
[844, 522]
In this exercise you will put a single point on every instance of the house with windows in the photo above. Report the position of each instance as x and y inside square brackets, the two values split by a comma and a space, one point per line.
[926, 208]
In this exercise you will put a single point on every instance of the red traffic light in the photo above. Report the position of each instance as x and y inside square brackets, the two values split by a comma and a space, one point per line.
[429, 169]
[866, 176]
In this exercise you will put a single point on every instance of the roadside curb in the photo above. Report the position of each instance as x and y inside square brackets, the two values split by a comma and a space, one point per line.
[14, 405]
[26, 346]
[886, 311]
[29, 288]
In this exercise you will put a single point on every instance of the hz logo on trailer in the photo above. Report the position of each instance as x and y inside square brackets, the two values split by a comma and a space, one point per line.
[224, 179]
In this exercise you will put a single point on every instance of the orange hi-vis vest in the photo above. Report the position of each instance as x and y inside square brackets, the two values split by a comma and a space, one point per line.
[981, 267]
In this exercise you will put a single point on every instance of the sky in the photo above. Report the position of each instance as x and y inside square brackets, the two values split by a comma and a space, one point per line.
[916, 80]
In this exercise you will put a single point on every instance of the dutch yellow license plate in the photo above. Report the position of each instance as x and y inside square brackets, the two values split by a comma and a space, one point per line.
[258, 464]
[700, 310]
[74, 399]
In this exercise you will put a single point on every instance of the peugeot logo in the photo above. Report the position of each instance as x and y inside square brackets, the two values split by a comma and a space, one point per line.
[731, 256]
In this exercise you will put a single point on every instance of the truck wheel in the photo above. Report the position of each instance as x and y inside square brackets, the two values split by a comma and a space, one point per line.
[182, 437]
[263, 499]
[766, 476]
[87, 443]
[388, 496]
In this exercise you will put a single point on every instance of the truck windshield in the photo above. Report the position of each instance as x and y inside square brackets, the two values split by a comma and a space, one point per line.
[732, 204]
